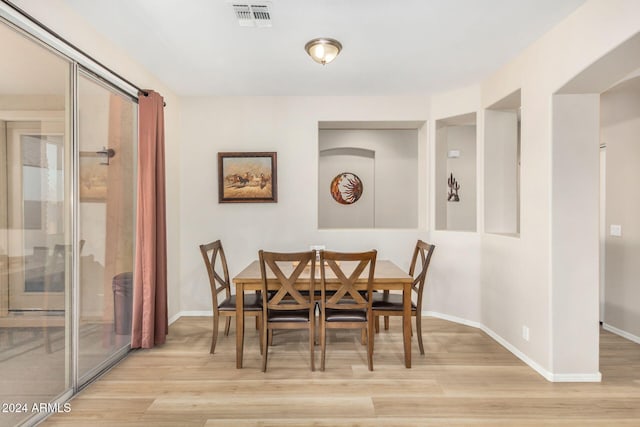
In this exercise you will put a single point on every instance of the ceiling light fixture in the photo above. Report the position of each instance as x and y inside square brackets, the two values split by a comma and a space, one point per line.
[323, 50]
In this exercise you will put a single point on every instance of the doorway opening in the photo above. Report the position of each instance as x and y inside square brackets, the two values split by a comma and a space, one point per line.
[584, 119]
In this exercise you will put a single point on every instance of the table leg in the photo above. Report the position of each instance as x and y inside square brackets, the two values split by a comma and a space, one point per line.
[239, 323]
[406, 323]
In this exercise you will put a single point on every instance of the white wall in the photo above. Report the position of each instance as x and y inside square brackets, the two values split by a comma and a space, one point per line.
[454, 288]
[501, 172]
[440, 176]
[518, 287]
[575, 291]
[620, 120]
[57, 15]
[289, 126]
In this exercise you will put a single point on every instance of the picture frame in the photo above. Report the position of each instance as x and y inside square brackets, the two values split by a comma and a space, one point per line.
[93, 177]
[247, 177]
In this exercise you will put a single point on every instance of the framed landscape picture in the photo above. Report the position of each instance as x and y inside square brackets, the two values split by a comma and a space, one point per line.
[249, 177]
[93, 178]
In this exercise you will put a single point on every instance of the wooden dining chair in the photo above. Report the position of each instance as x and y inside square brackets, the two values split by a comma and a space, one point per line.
[386, 304]
[346, 308]
[214, 260]
[288, 307]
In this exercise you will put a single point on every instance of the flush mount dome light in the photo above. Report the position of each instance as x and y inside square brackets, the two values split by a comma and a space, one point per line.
[323, 50]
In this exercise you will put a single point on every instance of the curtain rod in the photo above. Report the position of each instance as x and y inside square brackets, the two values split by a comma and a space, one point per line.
[59, 37]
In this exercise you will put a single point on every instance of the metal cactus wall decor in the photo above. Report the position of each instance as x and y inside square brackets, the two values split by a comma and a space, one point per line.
[453, 189]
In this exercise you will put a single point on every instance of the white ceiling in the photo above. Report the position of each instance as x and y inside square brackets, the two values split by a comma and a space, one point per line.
[402, 47]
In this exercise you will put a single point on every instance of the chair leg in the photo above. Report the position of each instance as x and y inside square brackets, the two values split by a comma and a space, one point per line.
[270, 336]
[312, 343]
[315, 319]
[377, 324]
[323, 344]
[419, 332]
[260, 332]
[363, 337]
[265, 346]
[370, 339]
[386, 318]
[214, 336]
[227, 326]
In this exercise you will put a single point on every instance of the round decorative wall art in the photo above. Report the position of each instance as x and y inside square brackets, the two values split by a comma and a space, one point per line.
[346, 188]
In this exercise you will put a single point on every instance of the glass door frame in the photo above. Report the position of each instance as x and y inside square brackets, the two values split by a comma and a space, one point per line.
[70, 384]
[79, 62]
[84, 379]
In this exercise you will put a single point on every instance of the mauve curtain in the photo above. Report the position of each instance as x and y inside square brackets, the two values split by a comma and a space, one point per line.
[150, 323]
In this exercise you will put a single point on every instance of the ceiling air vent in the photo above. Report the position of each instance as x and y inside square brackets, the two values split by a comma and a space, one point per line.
[253, 15]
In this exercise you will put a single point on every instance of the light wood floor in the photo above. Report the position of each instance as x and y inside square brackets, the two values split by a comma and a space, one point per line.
[465, 379]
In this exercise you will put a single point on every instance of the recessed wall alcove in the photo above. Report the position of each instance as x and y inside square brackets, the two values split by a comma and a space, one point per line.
[384, 157]
[502, 166]
[455, 195]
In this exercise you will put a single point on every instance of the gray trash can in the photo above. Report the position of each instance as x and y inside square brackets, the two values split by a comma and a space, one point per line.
[122, 302]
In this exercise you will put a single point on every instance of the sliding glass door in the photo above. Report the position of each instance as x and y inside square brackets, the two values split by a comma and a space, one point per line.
[107, 129]
[35, 225]
[68, 144]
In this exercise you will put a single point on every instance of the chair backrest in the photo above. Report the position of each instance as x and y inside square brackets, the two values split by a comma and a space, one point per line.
[346, 296]
[423, 251]
[288, 296]
[61, 251]
[60, 254]
[40, 253]
[214, 260]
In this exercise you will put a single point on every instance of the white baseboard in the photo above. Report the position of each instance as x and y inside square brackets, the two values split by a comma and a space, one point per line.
[175, 317]
[206, 313]
[620, 332]
[577, 378]
[549, 376]
[453, 319]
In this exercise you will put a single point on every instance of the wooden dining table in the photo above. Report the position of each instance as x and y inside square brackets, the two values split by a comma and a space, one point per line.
[388, 276]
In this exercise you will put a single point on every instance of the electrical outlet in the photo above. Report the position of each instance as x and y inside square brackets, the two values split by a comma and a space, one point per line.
[525, 333]
[615, 230]
[317, 248]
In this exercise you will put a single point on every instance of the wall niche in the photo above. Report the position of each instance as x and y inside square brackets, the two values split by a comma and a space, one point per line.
[455, 168]
[368, 175]
[502, 166]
